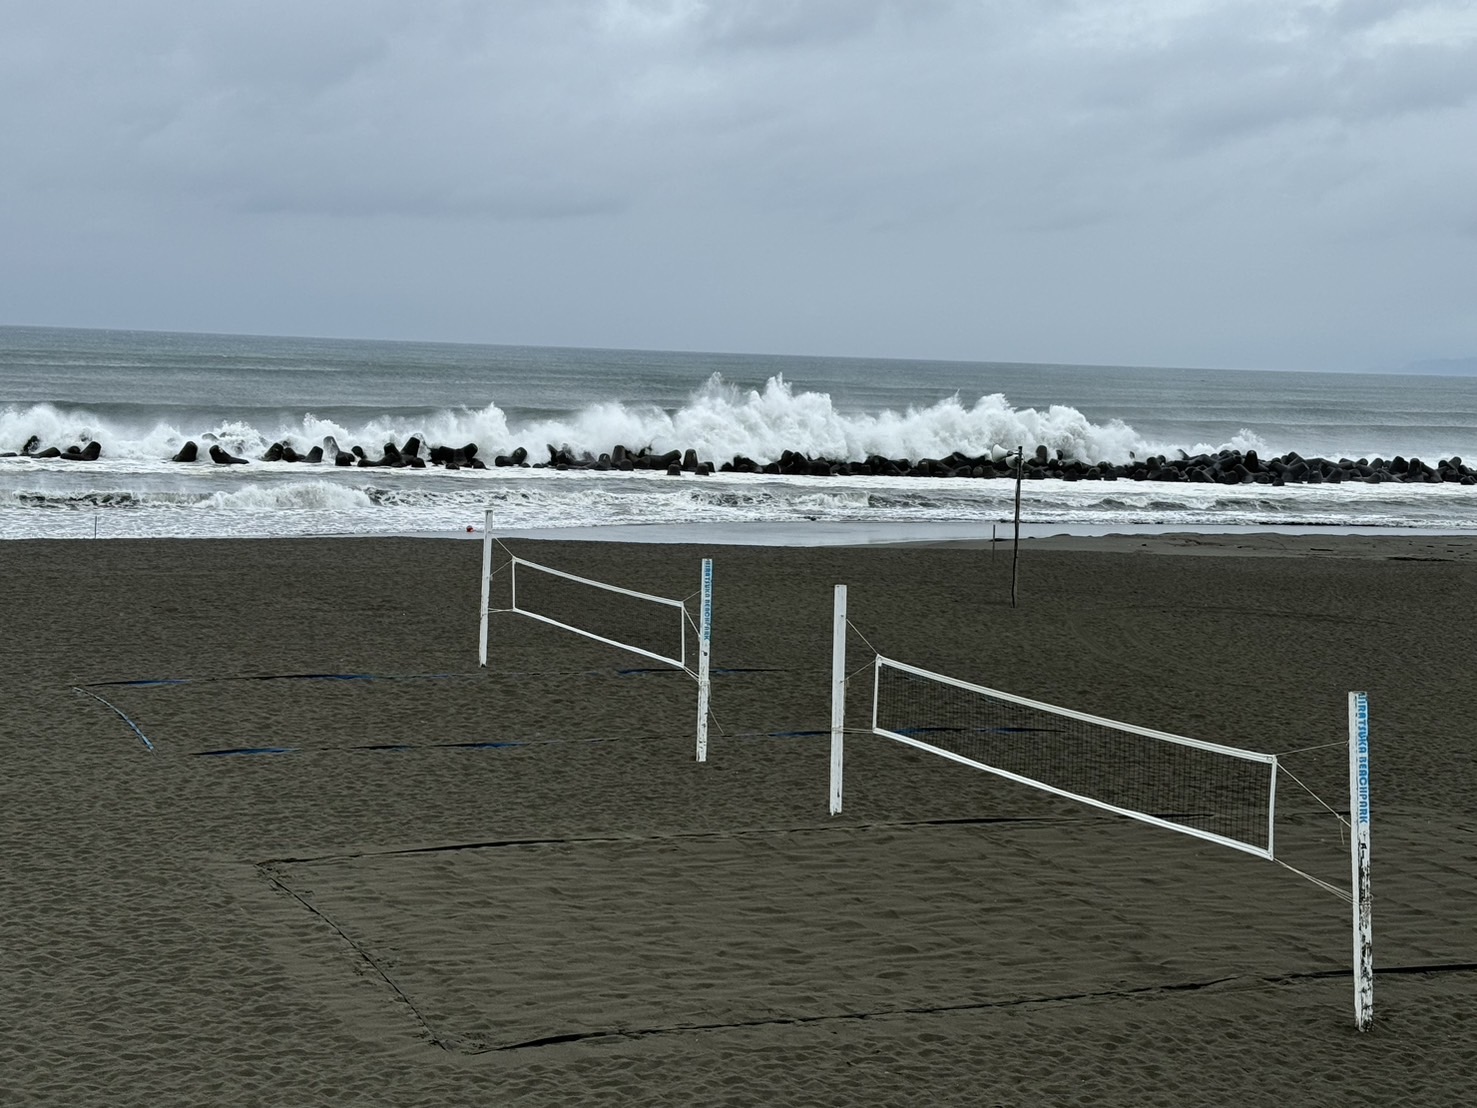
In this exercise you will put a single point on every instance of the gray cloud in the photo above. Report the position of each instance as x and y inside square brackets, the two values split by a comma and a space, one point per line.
[949, 178]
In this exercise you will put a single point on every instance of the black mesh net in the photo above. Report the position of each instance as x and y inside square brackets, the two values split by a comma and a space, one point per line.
[1193, 788]
[632, 621]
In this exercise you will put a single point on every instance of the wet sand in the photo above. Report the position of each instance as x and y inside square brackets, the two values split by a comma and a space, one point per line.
[325, 859]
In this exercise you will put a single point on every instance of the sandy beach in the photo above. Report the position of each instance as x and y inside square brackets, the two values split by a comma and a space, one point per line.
[271, 836]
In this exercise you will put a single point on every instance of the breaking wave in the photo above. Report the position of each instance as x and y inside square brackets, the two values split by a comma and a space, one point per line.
[719, 421]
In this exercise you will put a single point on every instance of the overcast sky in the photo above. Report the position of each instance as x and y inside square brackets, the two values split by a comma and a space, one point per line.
[1240, 183]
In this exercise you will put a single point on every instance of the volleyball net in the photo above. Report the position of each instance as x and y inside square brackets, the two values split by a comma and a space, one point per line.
[1213, 792]
[658, 628]
[1221, 794]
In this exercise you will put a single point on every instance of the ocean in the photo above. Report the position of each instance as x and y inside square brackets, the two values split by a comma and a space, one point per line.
[142, 395]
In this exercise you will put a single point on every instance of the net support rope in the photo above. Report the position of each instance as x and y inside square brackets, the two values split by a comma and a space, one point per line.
[1334, 811]
[1347, 898]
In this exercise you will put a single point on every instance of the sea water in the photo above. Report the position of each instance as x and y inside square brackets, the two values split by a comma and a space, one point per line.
[142, 395]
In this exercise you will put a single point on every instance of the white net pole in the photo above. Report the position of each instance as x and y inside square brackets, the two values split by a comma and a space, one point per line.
[838, 693]
[1272, 809]
[1363, 925]
[486, 587]
[704, 650]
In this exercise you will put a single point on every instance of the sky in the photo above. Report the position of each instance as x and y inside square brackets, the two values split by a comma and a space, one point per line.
[1220, 183]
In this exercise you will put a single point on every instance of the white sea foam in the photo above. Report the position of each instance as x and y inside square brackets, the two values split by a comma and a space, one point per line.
[312, 496]
[719, 421]
[66, 500]
[50, 424]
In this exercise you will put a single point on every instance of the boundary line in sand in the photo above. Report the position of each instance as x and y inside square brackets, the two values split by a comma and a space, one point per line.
[671, 836]
[171, 682]
[267, 870]
[1249, 980]
[271, 871]
[277, 880]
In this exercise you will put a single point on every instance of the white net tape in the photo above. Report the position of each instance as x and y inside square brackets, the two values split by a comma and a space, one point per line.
[1219, 793]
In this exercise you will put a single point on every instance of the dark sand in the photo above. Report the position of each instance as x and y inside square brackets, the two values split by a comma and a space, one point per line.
[581, 914]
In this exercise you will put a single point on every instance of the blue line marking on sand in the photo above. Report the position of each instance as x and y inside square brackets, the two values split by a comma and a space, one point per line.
[974, 730]
[642, 671]
[141, 736]
[141, 683]
[146, 682]
[311, 677]
[901, 731]
[395, 748]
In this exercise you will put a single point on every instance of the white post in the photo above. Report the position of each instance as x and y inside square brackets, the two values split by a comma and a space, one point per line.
[1359, 859]
[704, 649]
[876, 687]
[838, 692]
[486, 587]
[1272, 810]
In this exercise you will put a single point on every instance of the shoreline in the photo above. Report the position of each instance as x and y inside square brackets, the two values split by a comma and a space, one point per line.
[828, 534]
